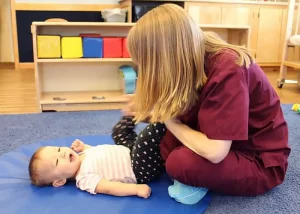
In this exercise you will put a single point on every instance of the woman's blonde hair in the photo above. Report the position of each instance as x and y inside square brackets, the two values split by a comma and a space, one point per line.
[169, 50]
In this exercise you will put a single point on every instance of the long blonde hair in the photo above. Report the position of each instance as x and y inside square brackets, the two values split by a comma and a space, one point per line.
[169, 48]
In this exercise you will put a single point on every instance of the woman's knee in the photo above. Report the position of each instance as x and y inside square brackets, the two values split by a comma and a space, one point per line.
[182, 165]
[235, 175]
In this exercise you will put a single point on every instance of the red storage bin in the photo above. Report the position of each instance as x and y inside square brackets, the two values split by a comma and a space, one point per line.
[125, 50]
[112, 47]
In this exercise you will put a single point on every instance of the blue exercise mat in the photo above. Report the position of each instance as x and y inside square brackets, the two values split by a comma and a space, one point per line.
[18, 196]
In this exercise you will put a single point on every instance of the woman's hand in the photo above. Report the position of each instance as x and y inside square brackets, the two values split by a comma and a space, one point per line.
[130, 108]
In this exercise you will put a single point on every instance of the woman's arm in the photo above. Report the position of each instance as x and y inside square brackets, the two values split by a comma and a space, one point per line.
[213, 150]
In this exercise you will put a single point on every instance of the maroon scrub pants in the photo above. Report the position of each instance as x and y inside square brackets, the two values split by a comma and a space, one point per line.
[235, 175]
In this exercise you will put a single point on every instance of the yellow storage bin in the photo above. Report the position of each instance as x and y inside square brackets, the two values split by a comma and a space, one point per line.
[48, 46]
[71, 47]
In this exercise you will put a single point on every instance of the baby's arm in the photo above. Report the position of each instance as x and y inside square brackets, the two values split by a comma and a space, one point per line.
[122, 189]
[79, 146]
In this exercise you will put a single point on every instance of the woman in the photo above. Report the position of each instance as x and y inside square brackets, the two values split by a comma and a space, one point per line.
[226, 129]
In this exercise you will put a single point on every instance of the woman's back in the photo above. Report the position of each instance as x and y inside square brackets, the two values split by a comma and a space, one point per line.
[239, 104]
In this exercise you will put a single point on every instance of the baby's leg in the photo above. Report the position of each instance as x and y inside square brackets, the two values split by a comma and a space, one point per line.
[123, 132]
[146, 160]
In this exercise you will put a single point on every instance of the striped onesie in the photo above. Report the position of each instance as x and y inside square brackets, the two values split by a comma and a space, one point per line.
[134, 158]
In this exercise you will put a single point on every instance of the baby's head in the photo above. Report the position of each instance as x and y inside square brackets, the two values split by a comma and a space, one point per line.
[53, 166]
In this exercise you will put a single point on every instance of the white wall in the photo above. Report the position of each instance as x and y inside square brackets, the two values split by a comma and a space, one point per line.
[69, 1]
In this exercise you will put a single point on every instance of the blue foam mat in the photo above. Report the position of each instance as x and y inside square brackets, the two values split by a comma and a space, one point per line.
[17, 195]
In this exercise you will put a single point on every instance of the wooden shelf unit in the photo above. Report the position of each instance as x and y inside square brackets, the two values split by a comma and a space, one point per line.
[94, 83]
[79, 83]
[264, 45]
[287, 60]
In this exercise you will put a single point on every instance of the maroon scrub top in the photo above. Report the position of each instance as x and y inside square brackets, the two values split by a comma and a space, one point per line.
[238, 104]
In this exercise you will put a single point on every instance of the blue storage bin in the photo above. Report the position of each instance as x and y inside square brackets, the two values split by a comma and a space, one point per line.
[92, 47]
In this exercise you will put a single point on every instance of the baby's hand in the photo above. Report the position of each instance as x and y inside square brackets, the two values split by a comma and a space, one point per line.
[77, 145]
[143, 191]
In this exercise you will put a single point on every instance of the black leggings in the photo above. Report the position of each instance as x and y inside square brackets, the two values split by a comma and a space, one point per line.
[145, 151]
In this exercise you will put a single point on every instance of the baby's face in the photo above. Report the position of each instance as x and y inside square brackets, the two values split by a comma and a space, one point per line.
[59, 162]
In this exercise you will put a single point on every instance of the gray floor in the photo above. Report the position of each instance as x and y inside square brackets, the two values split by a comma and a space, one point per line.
[17, 130]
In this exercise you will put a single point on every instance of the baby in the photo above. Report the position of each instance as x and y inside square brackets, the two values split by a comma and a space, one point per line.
[120, 170]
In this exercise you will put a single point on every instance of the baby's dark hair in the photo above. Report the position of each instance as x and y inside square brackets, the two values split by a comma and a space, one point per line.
[35, 170]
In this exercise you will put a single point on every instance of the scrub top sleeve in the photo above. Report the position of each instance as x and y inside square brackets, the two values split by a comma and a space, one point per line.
[224, 112]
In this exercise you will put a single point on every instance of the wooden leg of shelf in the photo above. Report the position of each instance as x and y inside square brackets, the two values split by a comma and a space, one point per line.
[282, 75]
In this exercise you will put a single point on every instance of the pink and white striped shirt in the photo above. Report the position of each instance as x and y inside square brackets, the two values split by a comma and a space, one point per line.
[111, 162]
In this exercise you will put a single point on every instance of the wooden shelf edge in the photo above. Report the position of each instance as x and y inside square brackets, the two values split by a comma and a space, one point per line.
[229, 2]
[84, 60]
[85, 97]
[45, 102]
[84, 24]
[269, 64]
[293, 64]
[63, 6]
[26, 65]
[82, 107]
[221, 26]
[125, 24]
